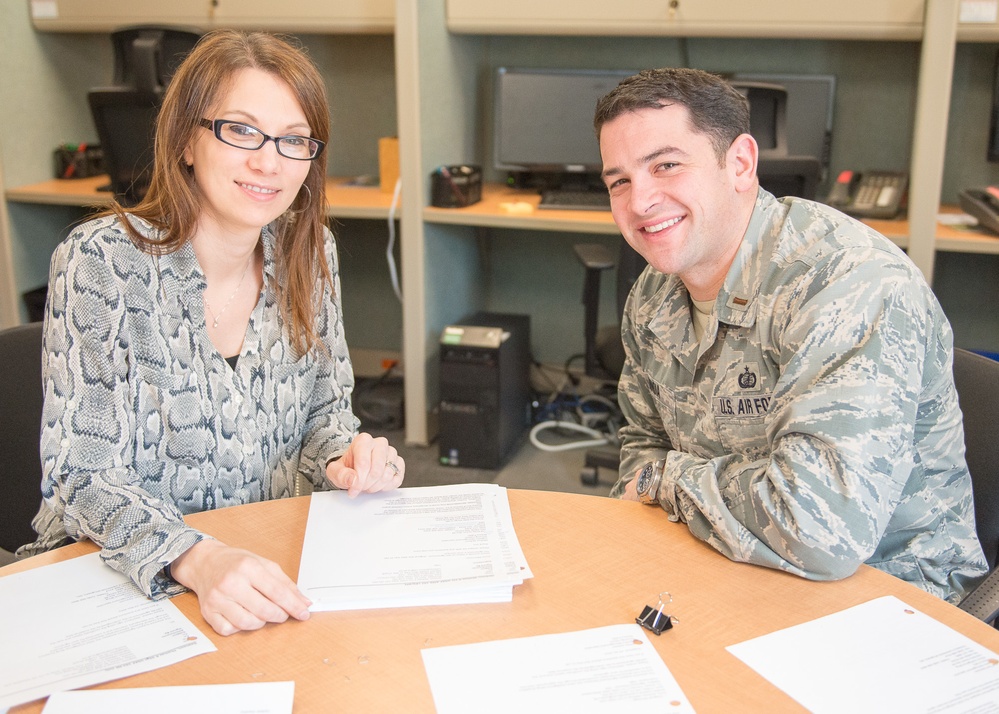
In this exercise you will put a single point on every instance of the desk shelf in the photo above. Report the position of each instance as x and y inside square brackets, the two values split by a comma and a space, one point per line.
[504, 207]
[345, 200]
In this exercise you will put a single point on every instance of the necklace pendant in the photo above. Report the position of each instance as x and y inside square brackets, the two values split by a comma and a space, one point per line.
[215, 323]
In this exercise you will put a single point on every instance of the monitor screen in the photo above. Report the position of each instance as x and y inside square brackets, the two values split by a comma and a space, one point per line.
[543, 118]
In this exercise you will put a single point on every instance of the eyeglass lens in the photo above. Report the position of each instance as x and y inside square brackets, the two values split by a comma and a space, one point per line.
[245, 136]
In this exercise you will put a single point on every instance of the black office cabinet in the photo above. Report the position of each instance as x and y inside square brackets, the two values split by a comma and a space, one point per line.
[485, 388]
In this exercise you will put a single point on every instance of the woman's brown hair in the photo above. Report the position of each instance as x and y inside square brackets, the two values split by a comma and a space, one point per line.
[173, 201]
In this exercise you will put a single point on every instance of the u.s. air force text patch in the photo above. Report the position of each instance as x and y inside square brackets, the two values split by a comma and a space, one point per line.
[739, 406]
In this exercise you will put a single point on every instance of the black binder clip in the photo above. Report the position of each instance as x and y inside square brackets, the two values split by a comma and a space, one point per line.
[654, 619]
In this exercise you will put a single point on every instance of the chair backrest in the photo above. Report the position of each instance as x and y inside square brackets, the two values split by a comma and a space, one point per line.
[977, 381]
[125, 120]
[20, 427]
[146, 56]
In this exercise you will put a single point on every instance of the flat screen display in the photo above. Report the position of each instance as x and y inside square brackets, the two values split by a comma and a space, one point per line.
[543, 118]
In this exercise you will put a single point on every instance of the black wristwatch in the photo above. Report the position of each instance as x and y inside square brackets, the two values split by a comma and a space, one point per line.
[648, 482]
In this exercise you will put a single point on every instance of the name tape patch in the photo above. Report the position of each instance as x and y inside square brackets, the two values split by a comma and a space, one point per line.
[740, 406]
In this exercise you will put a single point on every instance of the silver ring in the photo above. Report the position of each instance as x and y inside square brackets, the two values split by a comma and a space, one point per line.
[391, 465]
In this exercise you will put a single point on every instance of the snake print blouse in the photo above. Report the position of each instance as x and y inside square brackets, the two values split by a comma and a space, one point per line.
[144, 421]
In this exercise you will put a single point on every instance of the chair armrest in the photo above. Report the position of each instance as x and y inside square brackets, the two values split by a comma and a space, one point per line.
[983, 601]
[594, 256]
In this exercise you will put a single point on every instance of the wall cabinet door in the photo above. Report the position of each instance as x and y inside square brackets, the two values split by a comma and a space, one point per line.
[108, 15]
[849, 19]
[319, 16]
[316, 16]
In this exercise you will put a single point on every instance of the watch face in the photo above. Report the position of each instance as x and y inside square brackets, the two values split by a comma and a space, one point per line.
[643, 479]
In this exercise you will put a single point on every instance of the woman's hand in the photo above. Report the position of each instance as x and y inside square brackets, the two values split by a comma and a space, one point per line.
[370, 464]
[238, 590]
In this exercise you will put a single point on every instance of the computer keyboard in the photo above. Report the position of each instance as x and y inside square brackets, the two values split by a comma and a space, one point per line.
[584, 200]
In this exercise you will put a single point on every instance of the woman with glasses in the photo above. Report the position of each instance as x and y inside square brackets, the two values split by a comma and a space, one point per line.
[194, 345]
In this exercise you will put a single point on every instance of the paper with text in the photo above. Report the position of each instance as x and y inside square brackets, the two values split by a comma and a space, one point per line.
[412, 546]
[606, 669]
[252, 698]
[882, 656]
[77, 623]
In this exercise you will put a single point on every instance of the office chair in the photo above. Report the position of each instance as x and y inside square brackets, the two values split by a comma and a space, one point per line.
[20, 425]
[125, 119]
[124, 114]
[603, 356]
[146, 56]
[977, 381]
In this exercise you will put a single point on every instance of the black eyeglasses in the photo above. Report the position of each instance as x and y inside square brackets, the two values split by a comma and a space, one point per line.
[245, 136]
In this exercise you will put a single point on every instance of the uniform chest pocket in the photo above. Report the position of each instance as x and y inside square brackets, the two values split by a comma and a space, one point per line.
[742, 426]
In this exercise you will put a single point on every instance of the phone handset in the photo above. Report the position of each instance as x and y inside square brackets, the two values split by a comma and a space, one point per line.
[983, 204]
[873, 194]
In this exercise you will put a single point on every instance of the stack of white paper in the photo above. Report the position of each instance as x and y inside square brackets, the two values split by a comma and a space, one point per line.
[438, 545]
[77, 623]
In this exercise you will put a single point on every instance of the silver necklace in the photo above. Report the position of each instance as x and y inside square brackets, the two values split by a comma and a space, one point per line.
[218, 315]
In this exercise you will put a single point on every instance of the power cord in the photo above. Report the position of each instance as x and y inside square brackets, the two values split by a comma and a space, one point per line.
[389, 251]
[596, 416]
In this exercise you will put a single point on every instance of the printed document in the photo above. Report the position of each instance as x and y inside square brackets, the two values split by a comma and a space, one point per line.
[412, 546]
[606, 669]
[77, 623]
[882, 656]
[252, 698]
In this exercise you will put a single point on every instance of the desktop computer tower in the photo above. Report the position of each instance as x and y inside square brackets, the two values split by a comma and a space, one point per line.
[485, 388]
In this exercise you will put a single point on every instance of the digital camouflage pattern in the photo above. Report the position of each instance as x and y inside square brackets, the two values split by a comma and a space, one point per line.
[815, 425]
[145, 422]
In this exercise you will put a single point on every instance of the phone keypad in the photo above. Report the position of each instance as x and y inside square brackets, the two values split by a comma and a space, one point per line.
[878, 190]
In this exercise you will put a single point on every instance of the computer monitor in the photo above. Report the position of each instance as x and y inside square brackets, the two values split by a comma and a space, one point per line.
[125, 119]
[543, 120]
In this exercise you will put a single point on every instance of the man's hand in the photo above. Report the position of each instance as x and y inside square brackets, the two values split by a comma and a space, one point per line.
[368, 465]
[238, 590]
[630, 492]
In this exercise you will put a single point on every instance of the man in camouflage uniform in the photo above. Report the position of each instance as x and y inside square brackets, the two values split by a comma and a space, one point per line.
[796, 360]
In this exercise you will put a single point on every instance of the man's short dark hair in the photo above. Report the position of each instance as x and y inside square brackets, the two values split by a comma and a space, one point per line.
[716, 108]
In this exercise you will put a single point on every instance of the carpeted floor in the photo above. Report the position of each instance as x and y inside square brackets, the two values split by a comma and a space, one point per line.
[527, 467]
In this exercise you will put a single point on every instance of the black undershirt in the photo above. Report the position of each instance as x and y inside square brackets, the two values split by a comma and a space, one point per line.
[232, 360]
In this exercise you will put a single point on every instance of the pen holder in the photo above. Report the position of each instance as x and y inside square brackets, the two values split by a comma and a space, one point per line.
[455, 186]
[78, 161]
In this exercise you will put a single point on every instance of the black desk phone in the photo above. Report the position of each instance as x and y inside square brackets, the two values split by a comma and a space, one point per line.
[873, 194]
[983, 204]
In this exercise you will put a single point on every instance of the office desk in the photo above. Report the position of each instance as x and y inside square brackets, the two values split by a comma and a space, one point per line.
[345, 201]
[596, 561]
[504, 207]
[500, 207]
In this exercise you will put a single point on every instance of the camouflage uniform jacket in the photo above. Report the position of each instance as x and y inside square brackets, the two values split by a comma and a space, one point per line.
[815, 425]
[145, 422]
